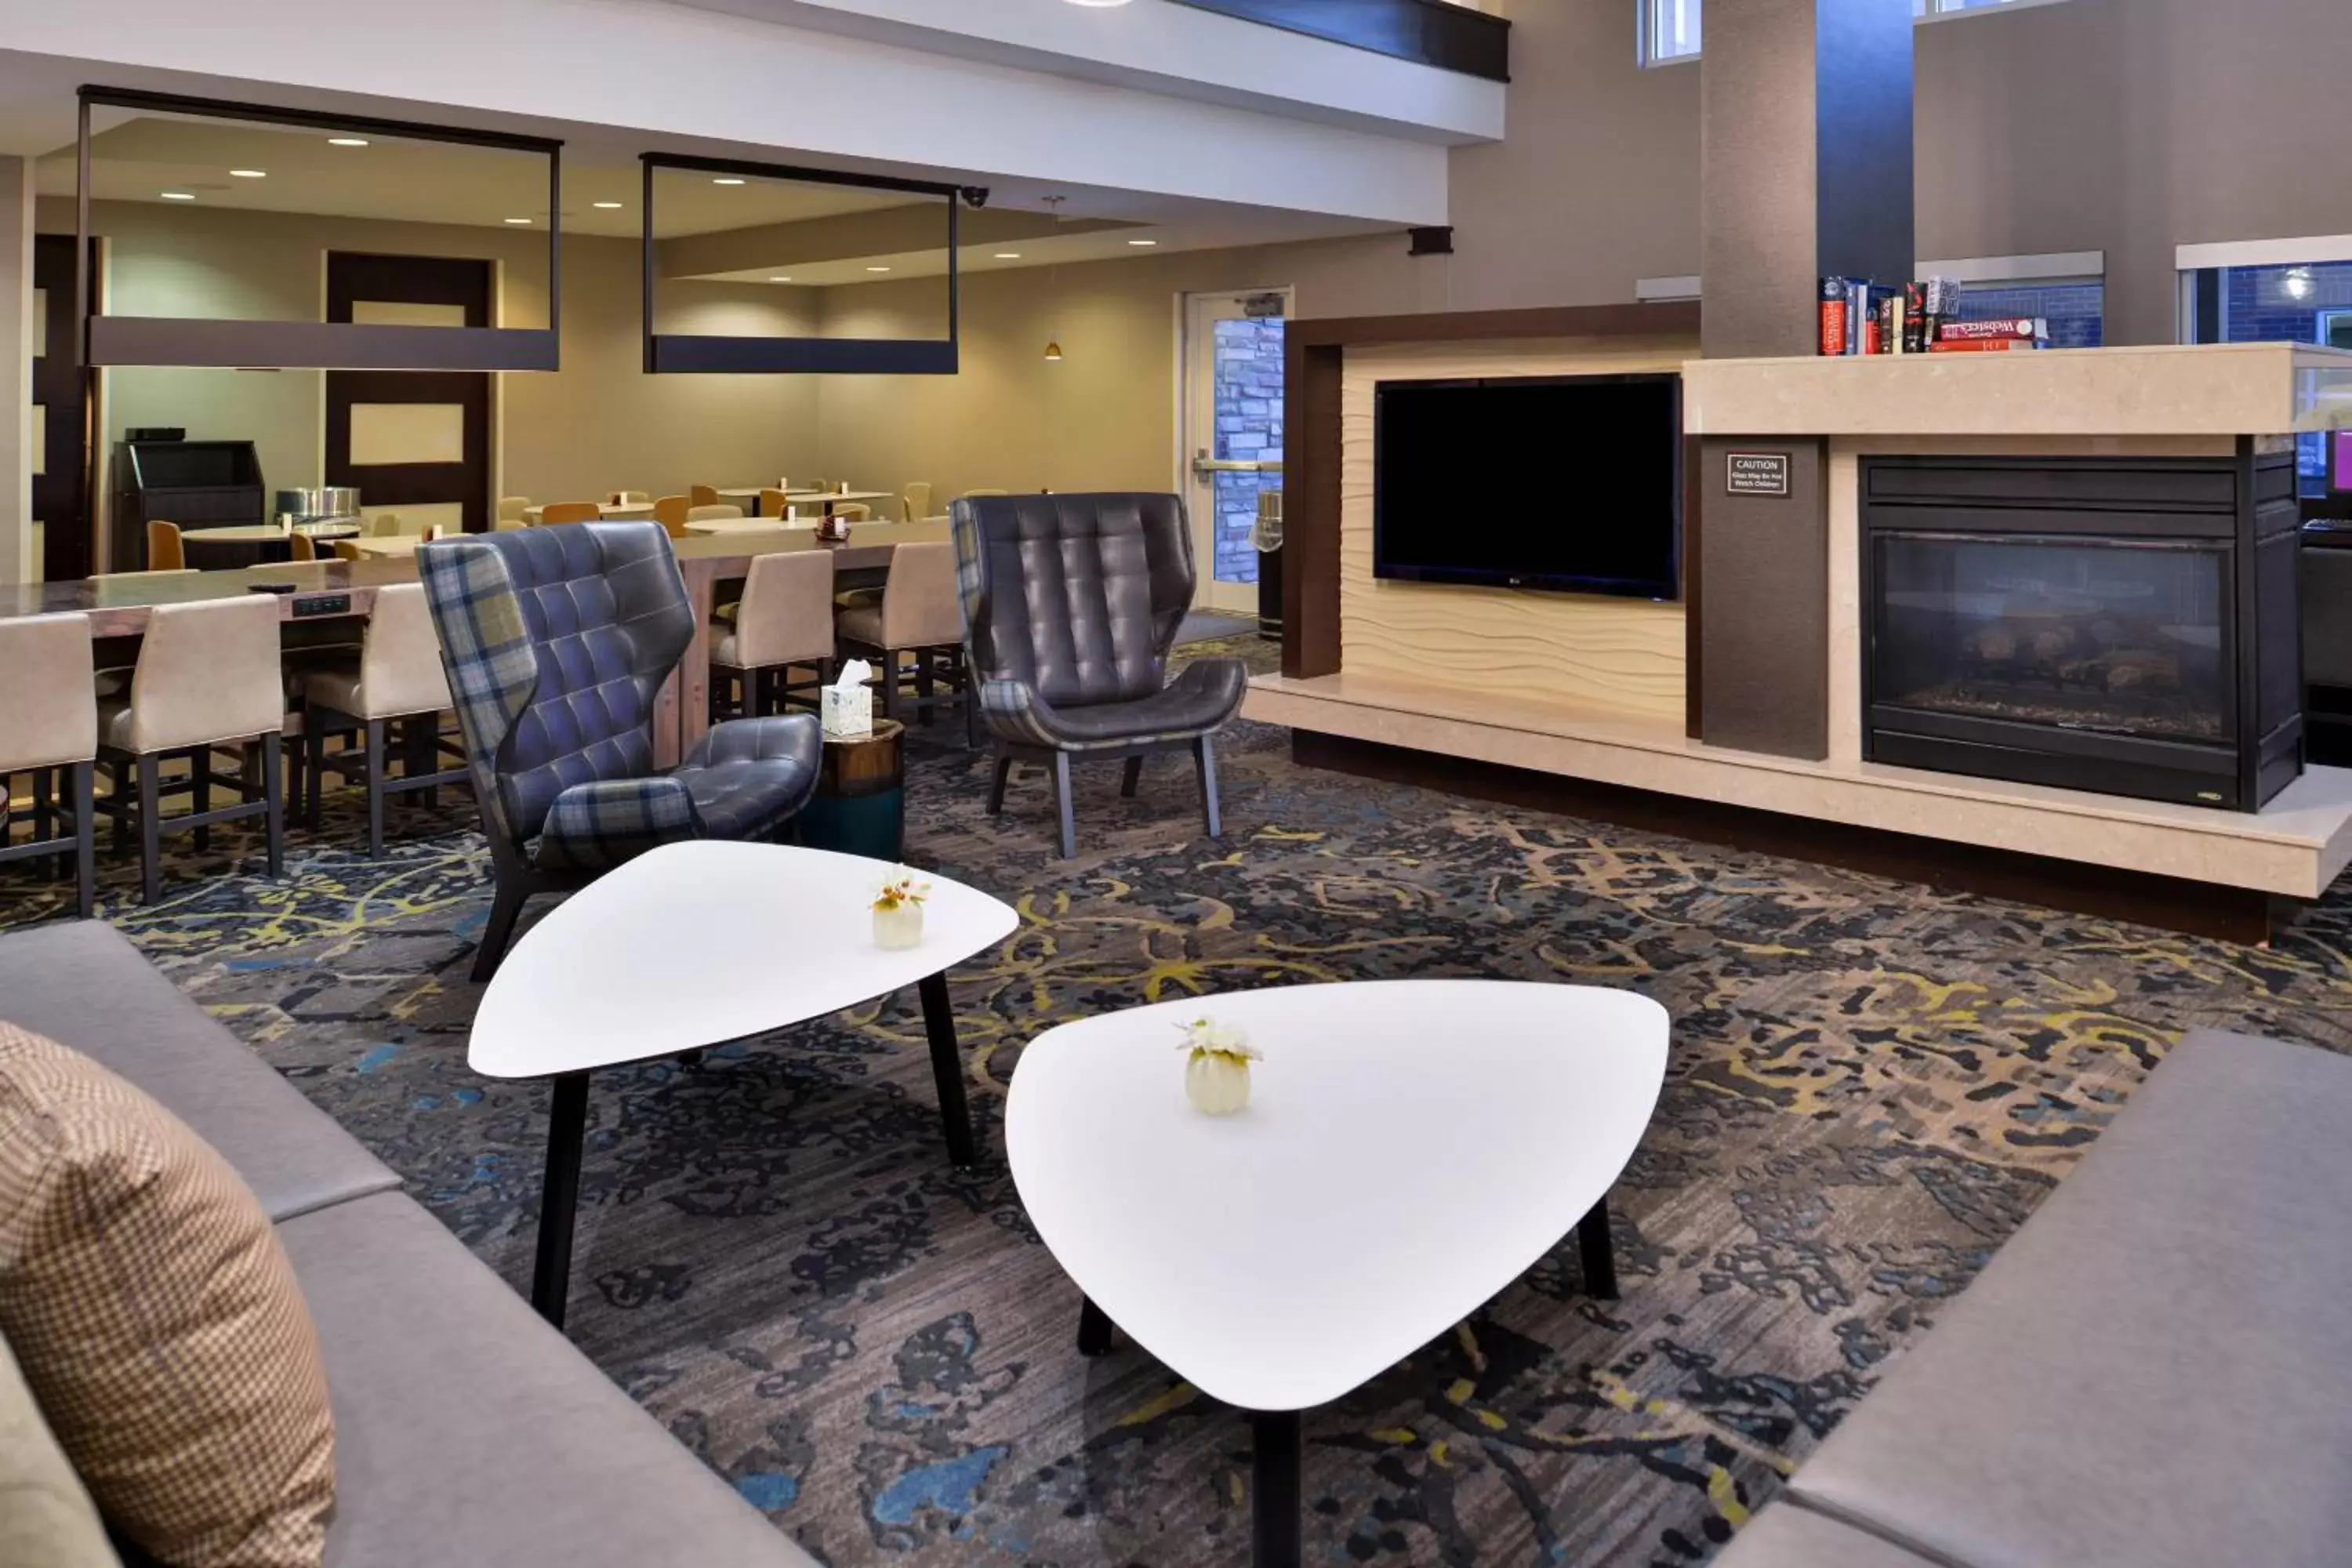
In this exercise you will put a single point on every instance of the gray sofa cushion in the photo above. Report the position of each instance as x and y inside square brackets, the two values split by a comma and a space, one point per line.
[81, 984]
[468, 1431]
[2156, 1370]
[1788, 1536]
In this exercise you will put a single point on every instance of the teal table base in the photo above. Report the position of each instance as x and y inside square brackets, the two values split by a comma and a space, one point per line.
[874, 825]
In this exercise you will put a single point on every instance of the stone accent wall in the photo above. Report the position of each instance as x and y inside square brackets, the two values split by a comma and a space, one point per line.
[1249, 429]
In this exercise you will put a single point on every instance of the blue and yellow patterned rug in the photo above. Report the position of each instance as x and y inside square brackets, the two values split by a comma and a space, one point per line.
[1872, 1085]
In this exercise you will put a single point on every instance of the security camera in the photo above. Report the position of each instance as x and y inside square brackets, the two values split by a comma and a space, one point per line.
[975, 196]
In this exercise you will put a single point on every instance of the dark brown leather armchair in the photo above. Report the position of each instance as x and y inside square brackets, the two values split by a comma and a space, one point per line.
[1071, 604]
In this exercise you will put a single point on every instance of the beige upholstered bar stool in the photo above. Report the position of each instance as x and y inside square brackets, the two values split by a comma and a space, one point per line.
[396, 678]
[920, 614]
[48, 727]
[784, 618]
[207, 678]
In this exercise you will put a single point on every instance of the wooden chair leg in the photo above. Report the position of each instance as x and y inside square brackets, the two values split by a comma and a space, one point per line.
[151, 827]
[200, 784]
[376, 762]
[1130, 777]
[1204, 762]
[1064, 806]
[996, 786]
[273, 800]
[85, 792]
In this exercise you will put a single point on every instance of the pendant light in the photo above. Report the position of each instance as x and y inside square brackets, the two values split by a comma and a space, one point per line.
[1054, 281]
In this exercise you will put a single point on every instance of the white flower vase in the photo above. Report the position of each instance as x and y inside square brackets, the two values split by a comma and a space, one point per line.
[1217, 1084]
[899, 928]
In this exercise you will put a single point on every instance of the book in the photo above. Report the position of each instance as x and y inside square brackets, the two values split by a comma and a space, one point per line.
[1983, 345]
[1916, 320]
[1857, 314]
[2001, 327]
[1833, 308]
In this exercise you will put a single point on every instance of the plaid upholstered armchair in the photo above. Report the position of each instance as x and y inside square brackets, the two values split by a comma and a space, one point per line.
[557, 641]
[1071, 603]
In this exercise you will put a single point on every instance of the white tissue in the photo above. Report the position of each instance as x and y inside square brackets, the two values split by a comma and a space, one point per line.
[854, 672]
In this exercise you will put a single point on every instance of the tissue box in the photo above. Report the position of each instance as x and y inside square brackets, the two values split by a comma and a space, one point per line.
[848, 711]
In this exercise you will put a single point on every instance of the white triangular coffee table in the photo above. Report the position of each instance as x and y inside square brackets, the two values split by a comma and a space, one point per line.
[1409, 1149]
[699, 944]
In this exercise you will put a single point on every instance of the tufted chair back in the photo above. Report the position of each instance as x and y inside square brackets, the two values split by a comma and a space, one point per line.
[556, 641]
[1078, 597]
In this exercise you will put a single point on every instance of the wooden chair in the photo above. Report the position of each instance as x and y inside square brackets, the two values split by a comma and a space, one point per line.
[773, 504]
[670, 513]
[384, 525]
[511, 509]
[348, 550]
[48, 727]
[569, 511]
[915, 503]
[165, 551]
[305, 548]
[701, 495]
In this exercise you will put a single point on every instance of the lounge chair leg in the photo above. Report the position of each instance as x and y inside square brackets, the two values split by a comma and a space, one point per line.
[506, 908]
[996, 788]
[1064, 806]
[1132, 776]
[1204, 760]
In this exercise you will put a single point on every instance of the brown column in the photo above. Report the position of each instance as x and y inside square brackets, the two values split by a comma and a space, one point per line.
[1805, 128]
[1764, 682]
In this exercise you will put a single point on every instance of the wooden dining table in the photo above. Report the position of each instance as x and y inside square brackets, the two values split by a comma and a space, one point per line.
[334, 595]
[747, 498]
[611, 511]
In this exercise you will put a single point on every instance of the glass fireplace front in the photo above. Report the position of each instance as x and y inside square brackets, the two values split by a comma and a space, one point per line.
[2118, 637]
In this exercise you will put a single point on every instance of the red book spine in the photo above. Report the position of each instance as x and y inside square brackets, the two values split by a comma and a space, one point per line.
[1833, 324]
[2008, 327]
[1981, 345]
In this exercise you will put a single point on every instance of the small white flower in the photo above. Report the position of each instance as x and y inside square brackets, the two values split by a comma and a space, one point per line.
[1208, 1036]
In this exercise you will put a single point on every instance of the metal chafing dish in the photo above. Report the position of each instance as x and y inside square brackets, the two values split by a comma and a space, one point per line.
[320, 503]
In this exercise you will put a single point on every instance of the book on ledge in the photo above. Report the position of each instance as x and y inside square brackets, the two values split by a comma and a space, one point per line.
[2028, 327]
[1985, 345]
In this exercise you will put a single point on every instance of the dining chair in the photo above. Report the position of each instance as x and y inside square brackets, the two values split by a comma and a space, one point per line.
[701, 495]
[348, 550]
[1071, 604]
[165, 551]
[207, 678]
[396, 678]
[854, 512]
[774, 503]
[48, 727]
[302, 547]
[919, 614]
[569, 511]
[784, 618]
[510, 510]
[915, 502]
[670, 513]
[384, 525]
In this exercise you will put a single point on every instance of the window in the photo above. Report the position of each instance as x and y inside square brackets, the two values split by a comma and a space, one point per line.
[2267, 300]
[2075, 308]
[1670, 28]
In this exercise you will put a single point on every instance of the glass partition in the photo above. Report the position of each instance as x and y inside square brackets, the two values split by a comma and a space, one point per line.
[754, 268]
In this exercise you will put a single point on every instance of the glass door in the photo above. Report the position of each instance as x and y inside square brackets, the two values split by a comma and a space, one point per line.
[1231, 436]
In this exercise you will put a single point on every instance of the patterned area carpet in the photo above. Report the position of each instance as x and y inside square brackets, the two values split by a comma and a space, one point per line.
[1872, 1085]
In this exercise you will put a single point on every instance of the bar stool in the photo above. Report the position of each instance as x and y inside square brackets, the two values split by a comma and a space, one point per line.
[48, 727]
[207, 676]
[784, 618]
[921, 614]
[397, 678]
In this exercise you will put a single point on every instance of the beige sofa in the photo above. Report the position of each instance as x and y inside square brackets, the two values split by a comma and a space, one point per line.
[467, 1431]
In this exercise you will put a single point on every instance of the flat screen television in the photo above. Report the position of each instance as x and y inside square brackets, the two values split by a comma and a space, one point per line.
[1568, 483]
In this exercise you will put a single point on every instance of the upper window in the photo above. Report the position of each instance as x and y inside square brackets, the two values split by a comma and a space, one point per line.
[2273, 301]
[1670, 28]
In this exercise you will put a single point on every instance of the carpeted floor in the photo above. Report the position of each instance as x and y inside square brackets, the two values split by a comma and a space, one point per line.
[1872, 1085]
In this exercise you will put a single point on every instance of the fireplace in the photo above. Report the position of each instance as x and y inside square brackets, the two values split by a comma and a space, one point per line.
[2127, 627]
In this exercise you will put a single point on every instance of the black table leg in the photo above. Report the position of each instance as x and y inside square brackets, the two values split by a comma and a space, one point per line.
[947, 1069]
[1274, 1510]
[1095, 1330]
[1599, 1258]
[567, 1125]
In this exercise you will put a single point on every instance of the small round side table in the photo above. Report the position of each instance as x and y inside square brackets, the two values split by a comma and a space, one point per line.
[860, 808]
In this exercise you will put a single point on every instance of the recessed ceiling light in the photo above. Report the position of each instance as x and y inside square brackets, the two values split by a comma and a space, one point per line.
[518, 220]
[346, 141]
[248, 174]
[779, 279]
[1007, 255]
[178, 196]
[608, 206]
[877, 270]
[1144, 243]
[726, 180]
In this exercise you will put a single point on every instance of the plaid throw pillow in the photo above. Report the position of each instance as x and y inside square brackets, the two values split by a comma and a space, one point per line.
[157, 1321]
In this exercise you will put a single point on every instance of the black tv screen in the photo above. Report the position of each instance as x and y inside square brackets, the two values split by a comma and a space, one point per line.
[1570, 483]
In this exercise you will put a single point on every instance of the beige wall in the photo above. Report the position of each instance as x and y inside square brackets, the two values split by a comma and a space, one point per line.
[597, 424]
